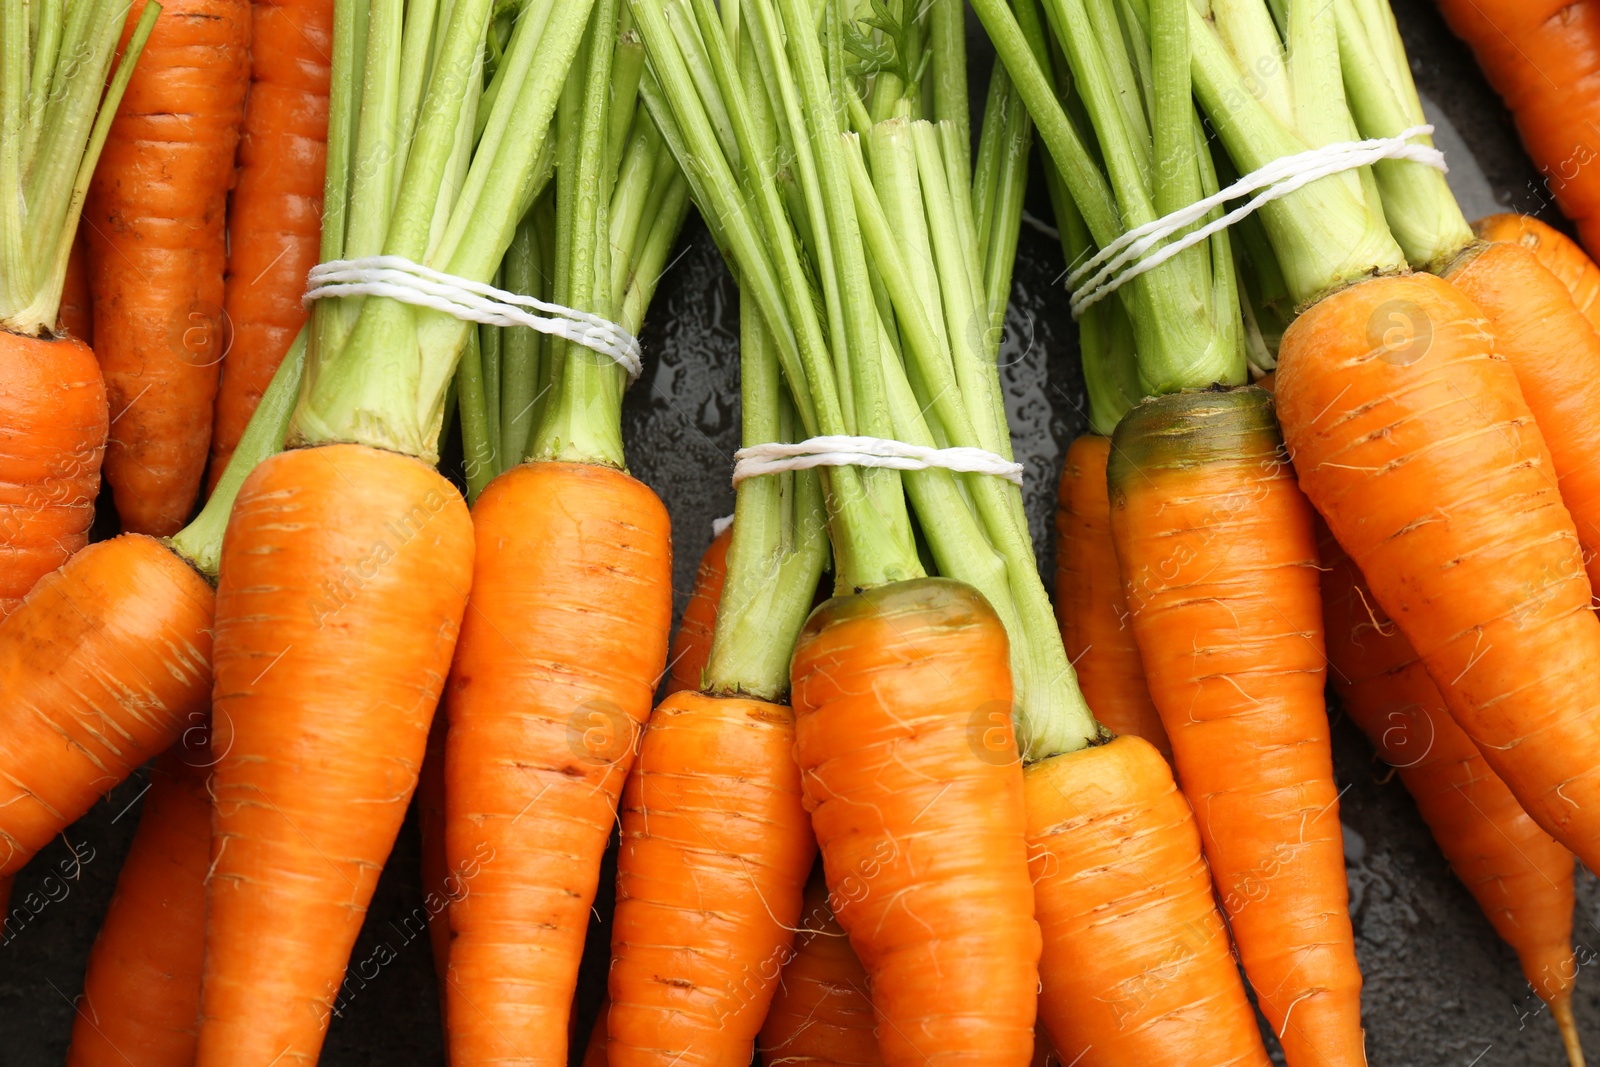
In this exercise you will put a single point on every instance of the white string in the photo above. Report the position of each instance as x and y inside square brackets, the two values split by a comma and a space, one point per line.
[401, 279]
[719, 525]
[839, 450]
[1279, 178]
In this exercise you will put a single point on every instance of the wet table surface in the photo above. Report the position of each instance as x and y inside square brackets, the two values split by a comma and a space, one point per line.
[1440, 987]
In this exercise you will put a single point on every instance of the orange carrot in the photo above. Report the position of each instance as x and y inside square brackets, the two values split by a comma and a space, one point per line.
[1559, 253]
[52, 436]
[821, 1015]
[936, 901]
[275, 220]
[715, 852]
[327, 673]
[1433, 477]
[1090, 605]
[155, 217]
[1220, 567]
[1137, 965]
[691, 647]
[142, 989]
[1520, 877]
[558, 662]
[77, 307]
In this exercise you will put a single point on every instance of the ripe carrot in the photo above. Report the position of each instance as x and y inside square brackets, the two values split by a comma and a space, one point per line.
[1090, 605]
[716, 847]
[821, 1013]
[142, 989]
[1433, 477]
[103, 665]
[275, 221]
[1220, 567]
[1559, 253]
[77, 308]
[52, 435]
[341, 655]
[936, 902]
[1137, 963]
[558, 662]
[691, 646]
[1541, 57]
[1520, 877]
[155, 217]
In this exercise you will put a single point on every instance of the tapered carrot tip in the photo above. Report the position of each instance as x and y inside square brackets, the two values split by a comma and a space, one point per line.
[345, 573]
[105, 663]
[1561, 1012]
[898, 694]
[53, 421]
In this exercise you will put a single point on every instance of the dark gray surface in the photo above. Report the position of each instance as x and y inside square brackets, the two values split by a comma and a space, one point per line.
[1440, 988]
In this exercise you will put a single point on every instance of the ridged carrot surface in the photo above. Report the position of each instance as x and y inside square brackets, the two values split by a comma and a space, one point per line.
[691, 646]
[562, 649]
[920, 825]
[141, 993]
[52, 437]
[821, 1015]
[1556, 355]
[1520, 877]
[104, 664]
[77, 306]
[1559, 253]
[275, 219]
[1434, 478]
[345, 573]
[1091, 607]
[1220, 566]
[155, 219]
[716, 847]
[1137, 966]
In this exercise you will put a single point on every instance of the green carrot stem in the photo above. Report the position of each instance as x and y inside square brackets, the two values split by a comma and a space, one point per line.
[519, 348]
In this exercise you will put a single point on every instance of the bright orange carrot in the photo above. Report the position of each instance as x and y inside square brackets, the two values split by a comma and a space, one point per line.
[1137, 965]
[545, 700]
[821, 1015]
[155, 217]
[691, 647]
[1220, 567]
[77, 306]
[1433, 477]
[275, 219]
[327, 674]
[142, 990]
[103, 665]
[1559, 253]
[52, 436]
[716, 847]
[1520, 877]
[936, 902]
[1090, 605]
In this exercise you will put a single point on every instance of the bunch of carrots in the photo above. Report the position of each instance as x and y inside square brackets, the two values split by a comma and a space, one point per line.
[895, 805]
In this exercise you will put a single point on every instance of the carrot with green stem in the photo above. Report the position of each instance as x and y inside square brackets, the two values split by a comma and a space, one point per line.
[157, 239]
[327, 673]
[275, 220]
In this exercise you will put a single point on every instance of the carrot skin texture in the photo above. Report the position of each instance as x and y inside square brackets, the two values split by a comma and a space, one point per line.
[105, 663]
[1137, 965]
[920, 823]
[1220, 565]
[142, 989]
[345, 573]
[1520, 877]
[156, 216]
[1091, 608]
[557, 669]
[716, 847]
[53, 422]
[821, 1014]
[1434, 478]
[1559, 253]
[691, 646]
[275, 218]
[77, 306]
[1556, 356]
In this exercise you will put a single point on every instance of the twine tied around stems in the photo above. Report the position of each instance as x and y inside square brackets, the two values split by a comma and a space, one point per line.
[840, 450]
